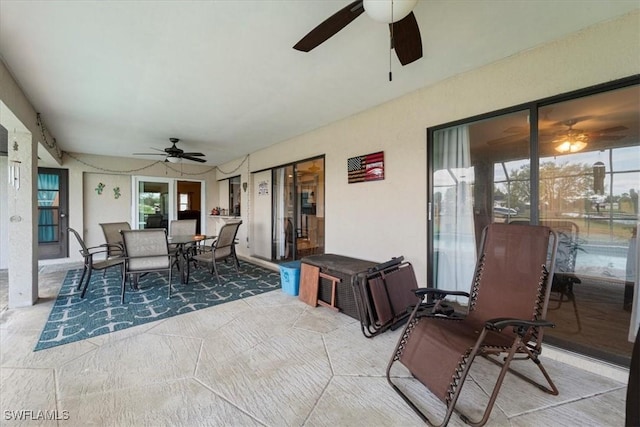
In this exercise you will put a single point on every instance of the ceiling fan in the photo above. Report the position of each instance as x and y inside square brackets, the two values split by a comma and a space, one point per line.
[405, 34]
[549, 135]
[173, 154]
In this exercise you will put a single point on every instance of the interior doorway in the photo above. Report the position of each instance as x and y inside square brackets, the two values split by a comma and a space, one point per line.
[158, 201]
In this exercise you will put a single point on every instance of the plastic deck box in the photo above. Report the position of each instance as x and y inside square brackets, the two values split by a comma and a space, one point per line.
[290, 277]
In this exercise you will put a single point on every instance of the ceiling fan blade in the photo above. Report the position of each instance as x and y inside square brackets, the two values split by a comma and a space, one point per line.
[330, 26]
[149, 154]
[192, 154]
[510, 139]
[606, 137]
[612, 129]
[195, 159]
[406, 39]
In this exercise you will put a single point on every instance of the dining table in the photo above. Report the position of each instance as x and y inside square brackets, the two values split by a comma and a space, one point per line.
[186, 245]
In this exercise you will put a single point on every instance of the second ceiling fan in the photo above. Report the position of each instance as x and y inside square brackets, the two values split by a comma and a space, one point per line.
[403, 27]
[174, 154]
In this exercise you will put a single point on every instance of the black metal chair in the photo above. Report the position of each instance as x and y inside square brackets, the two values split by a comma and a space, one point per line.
[91, 264]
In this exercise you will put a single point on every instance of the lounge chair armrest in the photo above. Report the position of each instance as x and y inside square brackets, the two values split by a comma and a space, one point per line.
[439, 293]
[500, 323]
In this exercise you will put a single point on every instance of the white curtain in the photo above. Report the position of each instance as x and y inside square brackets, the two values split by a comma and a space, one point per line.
[455, 247]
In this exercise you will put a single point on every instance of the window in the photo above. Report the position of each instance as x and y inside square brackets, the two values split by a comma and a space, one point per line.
[230, 197]
[234, 196]
[184, 202]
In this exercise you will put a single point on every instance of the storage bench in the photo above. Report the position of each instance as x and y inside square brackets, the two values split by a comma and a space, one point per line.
[339, 267]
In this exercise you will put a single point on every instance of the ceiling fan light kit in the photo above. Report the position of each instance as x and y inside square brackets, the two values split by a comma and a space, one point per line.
[388, 11]
[571, 146]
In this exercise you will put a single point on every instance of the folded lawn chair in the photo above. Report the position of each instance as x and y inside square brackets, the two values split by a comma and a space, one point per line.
[505, 316]
[385, 295]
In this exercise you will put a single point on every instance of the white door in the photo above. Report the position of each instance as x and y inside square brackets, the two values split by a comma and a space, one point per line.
[261, 211]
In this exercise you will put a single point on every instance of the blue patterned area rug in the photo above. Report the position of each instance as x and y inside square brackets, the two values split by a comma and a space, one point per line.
[73, 318]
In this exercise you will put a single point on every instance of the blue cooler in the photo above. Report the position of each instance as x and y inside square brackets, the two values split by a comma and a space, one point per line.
[290, 277]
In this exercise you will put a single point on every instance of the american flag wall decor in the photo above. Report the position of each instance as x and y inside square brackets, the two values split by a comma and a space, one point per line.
[369, 167]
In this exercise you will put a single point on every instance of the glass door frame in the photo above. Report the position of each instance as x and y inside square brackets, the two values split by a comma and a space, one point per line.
[172, 202]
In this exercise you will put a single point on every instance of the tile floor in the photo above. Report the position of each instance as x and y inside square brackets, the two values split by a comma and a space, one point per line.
[268, 360]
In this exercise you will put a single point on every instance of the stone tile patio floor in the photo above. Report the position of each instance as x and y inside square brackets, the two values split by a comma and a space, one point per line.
[268, 360]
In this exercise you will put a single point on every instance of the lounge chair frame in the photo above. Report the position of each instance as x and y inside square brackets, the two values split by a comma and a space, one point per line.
[384, 296]
[499, 335]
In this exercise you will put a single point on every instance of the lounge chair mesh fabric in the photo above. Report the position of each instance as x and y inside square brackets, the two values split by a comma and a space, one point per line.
[511, 281]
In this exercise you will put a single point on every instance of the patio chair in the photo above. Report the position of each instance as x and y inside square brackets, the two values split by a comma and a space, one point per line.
[507, 305]
[384, 296]
[111, 231]
[182, 227]
[146, 251]
[91, 264]
[222, 249]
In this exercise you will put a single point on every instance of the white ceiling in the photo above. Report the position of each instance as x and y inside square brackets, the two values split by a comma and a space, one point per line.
[118, 77]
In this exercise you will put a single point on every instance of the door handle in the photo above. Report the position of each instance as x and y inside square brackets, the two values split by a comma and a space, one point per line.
[63, 215]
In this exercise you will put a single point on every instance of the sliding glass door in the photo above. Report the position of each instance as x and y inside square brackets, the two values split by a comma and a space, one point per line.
[298, 210]
[572, 163]
[471, 188]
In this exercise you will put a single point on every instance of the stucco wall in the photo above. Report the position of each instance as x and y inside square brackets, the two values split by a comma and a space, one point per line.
[381, 219]
[87, 209]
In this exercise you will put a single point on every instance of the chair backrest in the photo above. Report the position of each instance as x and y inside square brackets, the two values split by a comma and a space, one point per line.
[512, 276]
[182, 227]
[113, 237]
[146, 249]
[223, 246]
[83, 248]
[568, 240]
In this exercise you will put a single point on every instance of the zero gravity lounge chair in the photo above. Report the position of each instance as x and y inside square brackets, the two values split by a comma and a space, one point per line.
[507, 305]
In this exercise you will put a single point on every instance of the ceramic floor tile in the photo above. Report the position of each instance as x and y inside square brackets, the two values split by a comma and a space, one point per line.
[138, 360]
[175, 403]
